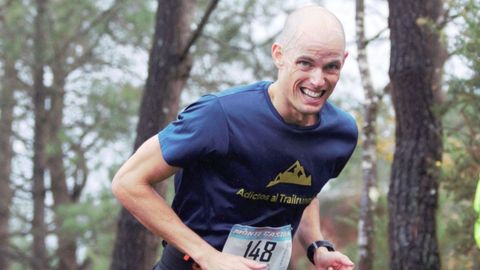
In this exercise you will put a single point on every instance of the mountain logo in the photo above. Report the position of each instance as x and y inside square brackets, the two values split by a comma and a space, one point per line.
[295, 174]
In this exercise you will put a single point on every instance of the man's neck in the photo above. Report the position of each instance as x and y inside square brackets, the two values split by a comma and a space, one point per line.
[287, 111]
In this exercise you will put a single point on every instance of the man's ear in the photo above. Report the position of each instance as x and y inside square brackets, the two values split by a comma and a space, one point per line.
[345, 55]
[277, 55]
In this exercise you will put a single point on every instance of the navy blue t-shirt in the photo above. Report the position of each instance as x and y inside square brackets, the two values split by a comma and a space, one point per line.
[243, 164]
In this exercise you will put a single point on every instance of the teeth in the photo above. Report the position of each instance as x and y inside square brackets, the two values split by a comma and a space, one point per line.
[312, 93]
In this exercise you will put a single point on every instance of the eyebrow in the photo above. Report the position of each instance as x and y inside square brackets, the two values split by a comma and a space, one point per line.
[336, 61]
[309, 58]
[305, 57]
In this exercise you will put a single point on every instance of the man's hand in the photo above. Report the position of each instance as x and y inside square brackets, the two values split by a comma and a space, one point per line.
[331, 260]
[223, 261]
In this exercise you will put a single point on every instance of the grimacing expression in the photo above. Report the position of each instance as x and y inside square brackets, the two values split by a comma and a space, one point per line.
[309, 71]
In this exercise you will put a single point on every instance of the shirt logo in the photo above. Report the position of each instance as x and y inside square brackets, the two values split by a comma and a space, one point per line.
[295, 174]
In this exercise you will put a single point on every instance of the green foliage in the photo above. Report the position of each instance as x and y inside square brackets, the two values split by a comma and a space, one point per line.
[124, 22]
[381, 235]
[13, 29]
[350, 219]
[229, 51]
[462, 144]
[92, 221]
[135, 25]
[110, 110]
[90, 52]
[380, 219]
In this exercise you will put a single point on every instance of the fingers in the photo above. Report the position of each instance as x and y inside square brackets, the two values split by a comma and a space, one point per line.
[256, 265]
[226, 261]
[333, 261]
[346, 267]
[342, 262]
[338, 267]
[347, 262]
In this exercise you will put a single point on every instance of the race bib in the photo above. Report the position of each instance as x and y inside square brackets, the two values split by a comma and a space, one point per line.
[271, 245]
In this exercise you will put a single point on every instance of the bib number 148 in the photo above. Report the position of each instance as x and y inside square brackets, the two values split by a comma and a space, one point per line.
[260, 249]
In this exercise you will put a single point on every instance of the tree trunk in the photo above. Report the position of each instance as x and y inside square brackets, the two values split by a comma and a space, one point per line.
[369, 143]
[67, 247]
[413, 193]
[7, 103]
[40, 136]
[135, 247]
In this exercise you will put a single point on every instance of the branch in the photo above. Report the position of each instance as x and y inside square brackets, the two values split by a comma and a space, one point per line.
[20, 83]
[84, 57]
[227, 45]
[446, 17]
[82, 169]
[471, 134]
[87, 264]
[22, 218]
[376, 36]
[19, 187]
[387, 90]
[105, 15]
[3, 8]
[19, 255]
[199, 30]
[270, 40]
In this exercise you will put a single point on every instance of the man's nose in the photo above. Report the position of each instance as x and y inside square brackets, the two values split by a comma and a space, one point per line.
[316, 77]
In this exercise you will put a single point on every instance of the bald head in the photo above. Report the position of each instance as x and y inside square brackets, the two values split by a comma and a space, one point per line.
[313, 21]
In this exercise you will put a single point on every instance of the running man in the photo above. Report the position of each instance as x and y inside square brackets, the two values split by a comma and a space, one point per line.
[249, 161]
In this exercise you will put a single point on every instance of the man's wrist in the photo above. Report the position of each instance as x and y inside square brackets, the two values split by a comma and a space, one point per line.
[324, 245]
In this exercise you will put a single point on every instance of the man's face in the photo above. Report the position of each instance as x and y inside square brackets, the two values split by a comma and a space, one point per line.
[309, 70]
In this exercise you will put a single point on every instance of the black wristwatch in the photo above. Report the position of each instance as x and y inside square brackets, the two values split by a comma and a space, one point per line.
[322, 243]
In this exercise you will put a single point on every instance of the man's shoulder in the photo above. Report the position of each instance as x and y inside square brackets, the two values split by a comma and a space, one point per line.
[332, 110]
[232, 99]
[339, 119]
[246, 90]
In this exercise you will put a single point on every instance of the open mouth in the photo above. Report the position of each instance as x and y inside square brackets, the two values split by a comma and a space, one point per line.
[311, 93]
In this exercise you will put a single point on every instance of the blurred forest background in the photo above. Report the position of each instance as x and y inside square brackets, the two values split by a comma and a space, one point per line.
[84, 83]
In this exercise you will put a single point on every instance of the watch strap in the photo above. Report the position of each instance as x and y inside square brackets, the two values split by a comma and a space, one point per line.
[317, 244]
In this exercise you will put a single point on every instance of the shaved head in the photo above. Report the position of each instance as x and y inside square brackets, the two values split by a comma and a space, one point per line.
[312, 21]
[309, 54]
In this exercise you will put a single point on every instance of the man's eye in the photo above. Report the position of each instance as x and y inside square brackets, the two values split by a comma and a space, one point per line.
[304, 64]
[333, 67]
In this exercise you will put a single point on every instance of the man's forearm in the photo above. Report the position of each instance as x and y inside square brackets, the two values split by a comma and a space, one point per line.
[309, 228]
[132, 185]
[150, 209]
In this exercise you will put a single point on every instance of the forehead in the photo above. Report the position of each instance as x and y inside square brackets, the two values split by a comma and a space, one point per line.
[316, 45]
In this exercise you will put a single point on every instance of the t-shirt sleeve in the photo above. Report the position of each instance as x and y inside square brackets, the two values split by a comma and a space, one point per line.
[350, 137]
[341, 164]
[199, 132]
